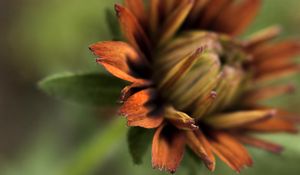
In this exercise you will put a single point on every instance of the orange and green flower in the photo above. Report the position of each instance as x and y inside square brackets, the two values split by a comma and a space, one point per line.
[195, 82]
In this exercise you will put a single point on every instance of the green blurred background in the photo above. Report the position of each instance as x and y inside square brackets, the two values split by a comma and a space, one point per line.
[43, 136]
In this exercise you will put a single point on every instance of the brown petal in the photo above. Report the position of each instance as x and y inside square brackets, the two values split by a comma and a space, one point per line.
[137, 113]
[114, 56]
[281, 50]
[275, 124]
[226, 156]
[277, 73]
[252, 141]
[254, 96]
[200, 145]
[133, 30]
[175, 20]
[138, 9]
[212, 10]
[262, 37]
[167, 148]
[235, 147]
[197, 9]
[233, 24]
[154, 15]
[238, 119]
[132, 89]
[180, 119]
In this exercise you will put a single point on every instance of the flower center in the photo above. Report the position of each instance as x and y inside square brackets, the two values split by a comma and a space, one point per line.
[201, 73]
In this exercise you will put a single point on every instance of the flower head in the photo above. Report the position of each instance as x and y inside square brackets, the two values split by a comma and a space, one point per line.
[195, 82]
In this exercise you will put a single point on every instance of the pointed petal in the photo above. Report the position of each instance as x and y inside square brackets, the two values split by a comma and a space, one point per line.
[175, 20]
[138, 9]
[275, 124]
[167, 148]
[263, 36]
[235, 147]
[238, 119]
[281, 50]
[137, 113]
[179, 119]
[233, 24]
[115, 56]
[226, 156]
[252, 141]
[212, 10]
[133, 30]
[277, 73]
[200, 145]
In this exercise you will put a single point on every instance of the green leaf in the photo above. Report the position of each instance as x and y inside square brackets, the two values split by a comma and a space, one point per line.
[90, 89]
[139, 139]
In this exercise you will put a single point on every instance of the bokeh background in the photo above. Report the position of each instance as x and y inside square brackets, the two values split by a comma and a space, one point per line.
[40, 135]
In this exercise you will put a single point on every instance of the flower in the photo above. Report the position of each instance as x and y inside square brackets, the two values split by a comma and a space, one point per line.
[197, 83]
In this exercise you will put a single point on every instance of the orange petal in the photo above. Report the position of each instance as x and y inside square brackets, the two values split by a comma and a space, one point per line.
[132, 89]
[233, 24]
[138, 9]
[281, 50]
[167, 148]
[277, 73]
[200, 145]
[275, 124]
[235, 147]
[212, 10]
[226, 156]
[115, 56]
[137, 113]
[133, 30]
[252, 141]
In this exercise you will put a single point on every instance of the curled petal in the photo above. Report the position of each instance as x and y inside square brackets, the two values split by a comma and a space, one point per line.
[137, 113]
[167, 148]
[133, 30]
[132, 89]
[115, 57]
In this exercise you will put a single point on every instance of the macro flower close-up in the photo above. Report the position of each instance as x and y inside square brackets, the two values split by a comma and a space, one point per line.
[194, 81]
[152, 87]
